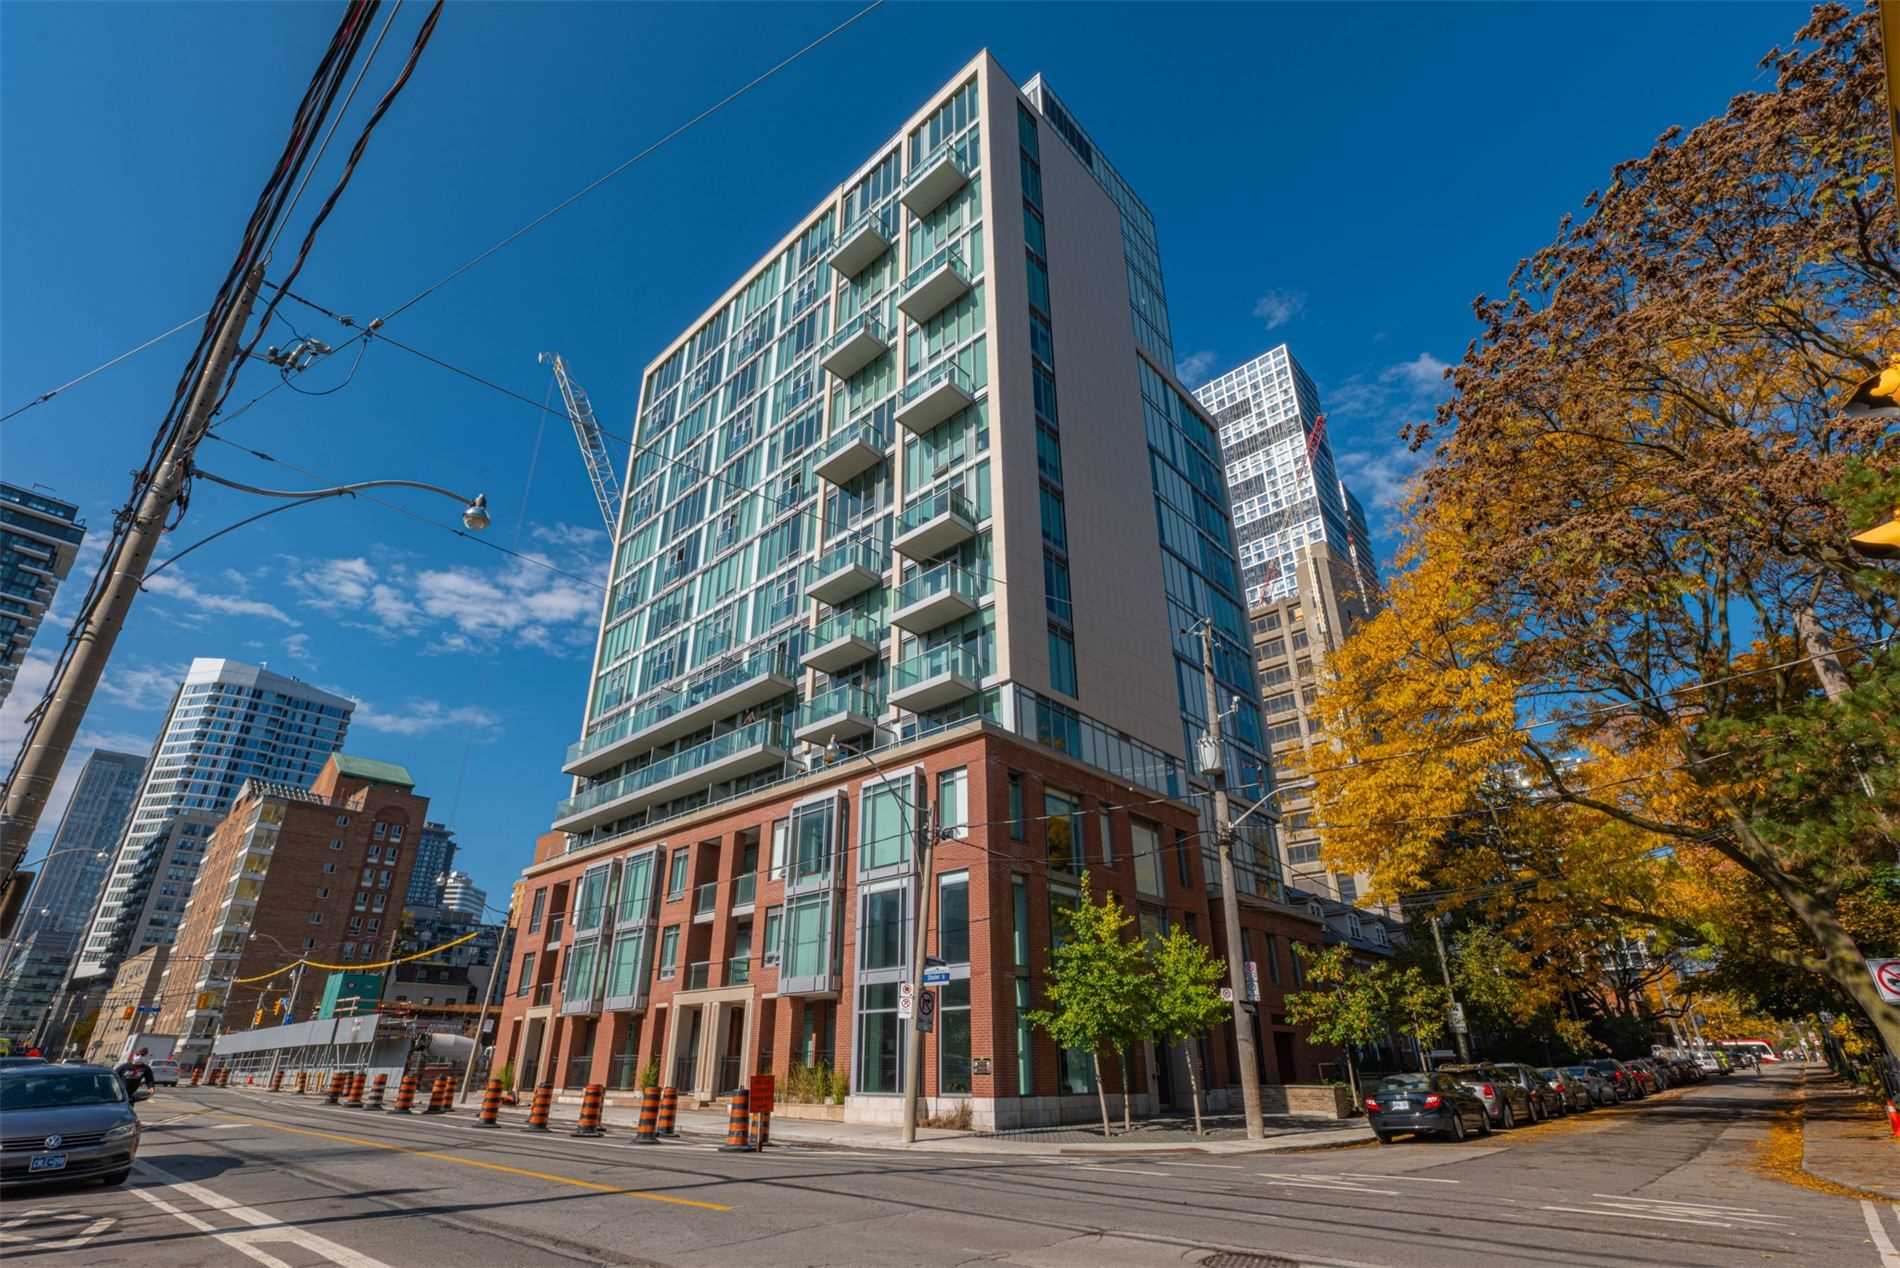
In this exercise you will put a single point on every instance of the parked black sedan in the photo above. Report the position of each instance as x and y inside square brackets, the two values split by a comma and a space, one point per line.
[1544, 1100]
[1575, 1093]
[1428, 1104]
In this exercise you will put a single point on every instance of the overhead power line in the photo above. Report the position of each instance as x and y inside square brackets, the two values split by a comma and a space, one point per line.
[51, 392]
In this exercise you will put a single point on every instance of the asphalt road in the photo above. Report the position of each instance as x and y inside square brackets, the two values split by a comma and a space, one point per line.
[232, 1178]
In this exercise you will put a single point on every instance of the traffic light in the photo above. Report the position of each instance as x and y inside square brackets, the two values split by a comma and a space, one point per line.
[278, 1008]
[204, 999]
[257, 1018]
[129, 1013]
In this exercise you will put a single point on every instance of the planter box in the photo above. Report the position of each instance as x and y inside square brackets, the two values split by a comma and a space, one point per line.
[1306, 1100]
[800, 1109]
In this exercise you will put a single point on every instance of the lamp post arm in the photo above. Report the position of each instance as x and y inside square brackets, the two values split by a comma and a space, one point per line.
[335, 491]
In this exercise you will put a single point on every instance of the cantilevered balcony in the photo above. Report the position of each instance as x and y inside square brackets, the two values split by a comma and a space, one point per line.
[728, 756]
[857, 343]
[934, 598]
[934, 396]
[934, 524]
[753, 681]
[936, 678]
[933, 285]
[865, 240]
[852, 450]
[846, 712]
[845, 571]
[933, 178]
[841, 641]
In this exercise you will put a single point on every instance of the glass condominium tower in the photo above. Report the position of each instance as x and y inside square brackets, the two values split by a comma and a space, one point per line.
[925, 461]
[229, 722]
[1280, 471]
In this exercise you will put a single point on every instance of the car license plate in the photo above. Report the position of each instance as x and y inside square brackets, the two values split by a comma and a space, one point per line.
[47, 1162]
[1399, 1105]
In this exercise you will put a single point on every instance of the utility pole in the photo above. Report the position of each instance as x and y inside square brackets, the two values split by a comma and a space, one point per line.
[920, 946]
[1444, 967]
[1213, 763]
[504, 947]
[72, 692]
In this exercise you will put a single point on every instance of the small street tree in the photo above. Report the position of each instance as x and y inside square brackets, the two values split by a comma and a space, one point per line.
[1186, 1001]
[1343, 1008]
[1099, 987]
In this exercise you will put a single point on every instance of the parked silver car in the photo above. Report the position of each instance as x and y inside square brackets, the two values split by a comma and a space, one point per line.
[65, 1122]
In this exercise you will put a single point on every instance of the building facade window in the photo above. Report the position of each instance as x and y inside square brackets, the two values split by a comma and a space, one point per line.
[774, 929]
[676, 874]
[525, 982]
[953, 1039]
[669, 952]
[953, 918]
[1062, 829]
[953, 799]
[538, 910]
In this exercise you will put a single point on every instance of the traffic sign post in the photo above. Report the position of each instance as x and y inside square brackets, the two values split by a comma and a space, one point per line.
[927, 1012]
[936, 977]
[1886, 979]
[905, 1000]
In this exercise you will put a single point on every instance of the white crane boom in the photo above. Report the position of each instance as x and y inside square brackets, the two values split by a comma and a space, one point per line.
[600, 463]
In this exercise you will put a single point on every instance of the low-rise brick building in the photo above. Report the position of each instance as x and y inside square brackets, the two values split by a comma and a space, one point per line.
[774, 930]
[291, 874]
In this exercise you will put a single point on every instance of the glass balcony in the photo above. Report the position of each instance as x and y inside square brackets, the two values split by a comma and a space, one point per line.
[864, 241]
[934, 524]
[936, 678]
[853, 450]
[745, 890]
[842, 640]
[845, 712]
[857, 343]
[556, 924]
[934, 285]
[544, 995]
[933, 599]
[934, 178]
[698, 976]
[845, 571]
[934, 396]
[737, 752]
[671, 714]
[738, 970]
[705, 901]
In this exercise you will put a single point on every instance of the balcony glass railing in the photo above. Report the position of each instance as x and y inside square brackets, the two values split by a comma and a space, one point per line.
[738, 971]
[865, 323]
[705, 898]
[557, 924]
[922, 168]
[946, 257]
[544, 995]
[679, 699]
[881, 220]
[942, 502]
[952, 658]
[698, 975]
[745, 889]
[848, 699]
[870, 556]
[860, 433]
[847, 625]
[681, 763]
[939, 580]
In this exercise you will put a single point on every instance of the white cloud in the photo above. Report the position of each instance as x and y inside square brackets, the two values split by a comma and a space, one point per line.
[420, 717]
[297, 647]
[1277, 307]
[174, 585]
[538, 600]
[1194, 368]
[1381, 478]
[141, 687]
[1395, 394]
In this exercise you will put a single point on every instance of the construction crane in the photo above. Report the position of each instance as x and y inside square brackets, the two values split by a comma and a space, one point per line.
[600, 463]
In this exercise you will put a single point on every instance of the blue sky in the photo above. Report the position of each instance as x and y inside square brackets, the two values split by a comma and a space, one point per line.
[1345, 178]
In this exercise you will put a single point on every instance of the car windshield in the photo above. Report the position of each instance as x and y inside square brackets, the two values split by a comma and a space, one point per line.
[1549, 1074]
[1578, 1070]
[1405, 1082]
[52, 1087]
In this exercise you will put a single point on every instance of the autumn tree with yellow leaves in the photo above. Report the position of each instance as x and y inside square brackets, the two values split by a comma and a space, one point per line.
[1591, 701]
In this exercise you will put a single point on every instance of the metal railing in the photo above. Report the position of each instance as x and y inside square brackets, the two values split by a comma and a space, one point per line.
[942, 502]
[623, 1073]
[952, 658]
[731, 1075]
[659, 708]
[683, 1070]
[579, 1068]
[720, 746]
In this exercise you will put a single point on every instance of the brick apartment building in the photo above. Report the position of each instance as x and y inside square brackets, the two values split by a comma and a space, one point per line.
[126, 1008]
[774, 930]
[291, 873]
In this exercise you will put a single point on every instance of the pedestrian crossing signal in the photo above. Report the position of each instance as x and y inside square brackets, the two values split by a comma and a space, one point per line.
[129, 1013]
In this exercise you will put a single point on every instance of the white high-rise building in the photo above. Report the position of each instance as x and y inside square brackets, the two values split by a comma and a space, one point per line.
[229, 722]
[462, 894]
[1280, 474]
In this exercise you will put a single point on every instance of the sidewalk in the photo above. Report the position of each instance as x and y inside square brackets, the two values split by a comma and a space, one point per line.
[1845, 1137]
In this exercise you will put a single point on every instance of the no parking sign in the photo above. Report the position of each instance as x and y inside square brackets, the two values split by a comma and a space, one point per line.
[1886, 979]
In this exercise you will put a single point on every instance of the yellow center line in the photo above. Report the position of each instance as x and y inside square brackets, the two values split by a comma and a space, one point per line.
[485, 1166]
